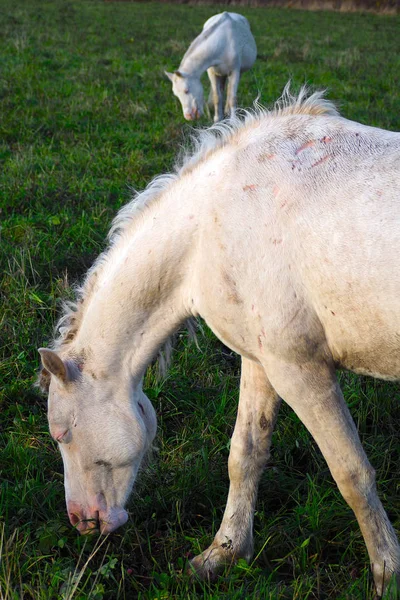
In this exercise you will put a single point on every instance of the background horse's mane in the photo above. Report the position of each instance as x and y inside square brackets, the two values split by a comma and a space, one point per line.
[203, 144]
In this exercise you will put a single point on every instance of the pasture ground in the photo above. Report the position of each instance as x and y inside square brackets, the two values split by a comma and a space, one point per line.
[86, 113]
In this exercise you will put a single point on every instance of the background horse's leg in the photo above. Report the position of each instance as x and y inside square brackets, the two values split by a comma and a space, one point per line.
[217, 90]
[231, 94]
[313, 392]
[251, 440]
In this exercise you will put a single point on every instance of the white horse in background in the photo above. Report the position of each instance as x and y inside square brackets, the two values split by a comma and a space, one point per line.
[225, 48]
[282, 232]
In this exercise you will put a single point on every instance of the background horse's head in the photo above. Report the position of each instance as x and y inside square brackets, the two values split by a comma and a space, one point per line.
[189, 90]
[104, 428]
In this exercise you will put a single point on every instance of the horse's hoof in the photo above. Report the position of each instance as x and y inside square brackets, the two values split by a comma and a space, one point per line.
[205, 566]
[210, 563]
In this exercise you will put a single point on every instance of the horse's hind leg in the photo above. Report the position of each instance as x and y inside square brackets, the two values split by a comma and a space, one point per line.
[257, 412]
[311, 389]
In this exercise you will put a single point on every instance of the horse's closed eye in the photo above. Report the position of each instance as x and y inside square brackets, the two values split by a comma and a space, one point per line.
[62, 437]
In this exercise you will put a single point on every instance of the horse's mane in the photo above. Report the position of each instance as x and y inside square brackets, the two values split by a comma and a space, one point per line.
[203, 143]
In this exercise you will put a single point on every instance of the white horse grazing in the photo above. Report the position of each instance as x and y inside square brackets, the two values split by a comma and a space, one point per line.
[225, 48]
[283, 232]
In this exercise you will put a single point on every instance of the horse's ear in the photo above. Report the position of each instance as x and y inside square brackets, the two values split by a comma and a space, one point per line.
[53, 365]
[169, 75]
[178, 74]
[43, 381]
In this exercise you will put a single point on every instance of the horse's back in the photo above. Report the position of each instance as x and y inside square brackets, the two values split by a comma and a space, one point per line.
[226, 17]
[234, 38]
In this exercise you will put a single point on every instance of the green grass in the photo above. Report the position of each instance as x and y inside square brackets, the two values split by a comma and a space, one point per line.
[85, 113]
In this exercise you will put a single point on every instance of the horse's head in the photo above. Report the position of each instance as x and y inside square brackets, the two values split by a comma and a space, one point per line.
[103, 428]
[190, 93]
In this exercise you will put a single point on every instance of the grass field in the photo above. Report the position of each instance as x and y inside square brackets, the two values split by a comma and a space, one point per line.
[86, 113]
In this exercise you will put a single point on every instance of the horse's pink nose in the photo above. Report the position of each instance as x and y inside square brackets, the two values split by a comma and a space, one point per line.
[86, 520]
[83, 520]
[192, 115]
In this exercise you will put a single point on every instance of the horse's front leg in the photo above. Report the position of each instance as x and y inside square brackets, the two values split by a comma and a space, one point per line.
[217, 91]
[231, 94]
[250, 444]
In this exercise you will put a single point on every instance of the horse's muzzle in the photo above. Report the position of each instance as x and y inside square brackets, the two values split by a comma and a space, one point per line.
[194, 114]
[89, 520]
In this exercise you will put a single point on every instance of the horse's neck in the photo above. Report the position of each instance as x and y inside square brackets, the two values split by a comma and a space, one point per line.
[140, 298]
[202, 53]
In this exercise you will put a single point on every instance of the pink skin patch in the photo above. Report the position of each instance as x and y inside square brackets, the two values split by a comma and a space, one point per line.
[249, 188]
[305, 145]
[275, 190]
[325, 140]
[57, 433]
[321, 160]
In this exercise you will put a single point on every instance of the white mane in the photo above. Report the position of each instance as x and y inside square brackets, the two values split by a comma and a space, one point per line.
[203, 143]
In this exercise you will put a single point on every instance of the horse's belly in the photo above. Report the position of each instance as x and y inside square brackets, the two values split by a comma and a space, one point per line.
[372, 352]
[372, 362]
[358, 307]
[249, 54]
